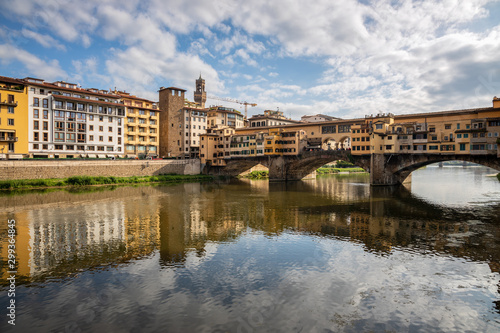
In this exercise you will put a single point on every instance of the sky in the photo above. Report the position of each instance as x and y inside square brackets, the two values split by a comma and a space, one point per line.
[344, 58]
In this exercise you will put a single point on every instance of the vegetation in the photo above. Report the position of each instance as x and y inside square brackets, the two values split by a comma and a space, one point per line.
[498, 176]
[257, 175]
[87, 181]
[326, 171]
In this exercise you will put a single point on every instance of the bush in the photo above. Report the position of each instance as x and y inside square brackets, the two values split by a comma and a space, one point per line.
[80, 180]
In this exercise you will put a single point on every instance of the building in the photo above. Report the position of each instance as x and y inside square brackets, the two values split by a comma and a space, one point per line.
[13, 118]
[270, 118]
[141, 126]
[200, 95]
[68, 121]
[461, 132]
[219, 116]
[215, 146]
[317, 118]
[181, 124]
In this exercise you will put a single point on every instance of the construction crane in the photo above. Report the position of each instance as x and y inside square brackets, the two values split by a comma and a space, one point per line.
[246, 104]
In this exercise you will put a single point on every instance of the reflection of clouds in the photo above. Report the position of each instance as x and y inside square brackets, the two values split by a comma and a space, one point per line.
[285, 284]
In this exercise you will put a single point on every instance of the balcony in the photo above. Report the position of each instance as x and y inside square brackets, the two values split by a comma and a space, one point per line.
[8, 103]
[8, 138]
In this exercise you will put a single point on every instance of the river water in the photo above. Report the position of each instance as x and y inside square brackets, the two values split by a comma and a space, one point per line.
[324, 255]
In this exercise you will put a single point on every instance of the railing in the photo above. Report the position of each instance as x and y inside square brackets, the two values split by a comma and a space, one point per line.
[8, 103]
[9, 138]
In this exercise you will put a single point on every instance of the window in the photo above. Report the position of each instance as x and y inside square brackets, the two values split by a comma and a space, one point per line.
[45, 126]
[91, 127]
[110, 119]
[45, 137]
[91, 137]
[70, 137]
[35, 146]
[45, 114]
[35, 125]
[447, 126]
[10, 122]
[101, 138]
[58, 105]
[378, 126]
[45, 103]
[36, 136]
[36, 113]
[36, 101]
[110, 139]
[10, 109]
[101, 128]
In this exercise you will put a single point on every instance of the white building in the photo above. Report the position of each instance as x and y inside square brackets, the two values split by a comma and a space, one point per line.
[67, 121]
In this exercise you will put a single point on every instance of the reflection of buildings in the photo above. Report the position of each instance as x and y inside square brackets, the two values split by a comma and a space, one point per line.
[89, 232]
[192, 218]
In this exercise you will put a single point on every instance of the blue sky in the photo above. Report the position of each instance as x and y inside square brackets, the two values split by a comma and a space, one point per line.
[345, 59]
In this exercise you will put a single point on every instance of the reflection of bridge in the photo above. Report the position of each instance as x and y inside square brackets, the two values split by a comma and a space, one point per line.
[385, 169]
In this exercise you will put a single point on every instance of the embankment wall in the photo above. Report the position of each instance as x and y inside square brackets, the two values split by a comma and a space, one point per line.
[36, 169]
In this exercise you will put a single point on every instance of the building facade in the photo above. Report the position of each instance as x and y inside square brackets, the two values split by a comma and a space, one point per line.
[13, 118]
[219, 116]
[181, 124]
[270, 118]
[68, 121]
[141, 127]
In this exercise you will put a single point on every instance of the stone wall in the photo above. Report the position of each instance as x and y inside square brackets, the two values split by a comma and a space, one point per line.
[35, 169]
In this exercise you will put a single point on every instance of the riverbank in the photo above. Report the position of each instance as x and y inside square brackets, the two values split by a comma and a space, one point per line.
[320, 171]
[89, 181]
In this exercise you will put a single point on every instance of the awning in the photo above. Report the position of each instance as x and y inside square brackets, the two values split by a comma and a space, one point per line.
[101, 156]
[91, 155]
[7, 131]
[130, 156]
[82, 155]
[110, 155]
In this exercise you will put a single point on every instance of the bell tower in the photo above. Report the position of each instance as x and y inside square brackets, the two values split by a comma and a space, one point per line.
[200, 95]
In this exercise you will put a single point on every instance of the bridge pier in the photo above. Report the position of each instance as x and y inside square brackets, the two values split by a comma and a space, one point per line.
[380, 172]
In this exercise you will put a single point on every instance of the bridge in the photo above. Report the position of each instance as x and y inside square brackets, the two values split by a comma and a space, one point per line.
[384, 169]
[390, 147]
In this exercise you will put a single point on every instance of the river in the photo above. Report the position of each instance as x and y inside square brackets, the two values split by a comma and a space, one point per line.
[325, 255]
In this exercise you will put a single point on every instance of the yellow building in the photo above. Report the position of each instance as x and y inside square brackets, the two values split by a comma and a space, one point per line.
[215, 146]
[13, 118]
[141, 126]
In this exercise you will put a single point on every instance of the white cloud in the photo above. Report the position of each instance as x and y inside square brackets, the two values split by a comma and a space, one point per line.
[44, 40]
[36, 67]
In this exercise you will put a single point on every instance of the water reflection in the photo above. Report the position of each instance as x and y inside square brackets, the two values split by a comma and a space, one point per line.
[251, 255]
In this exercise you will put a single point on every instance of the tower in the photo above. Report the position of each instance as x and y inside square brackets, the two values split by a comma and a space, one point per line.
[200, 95]
[171, 132]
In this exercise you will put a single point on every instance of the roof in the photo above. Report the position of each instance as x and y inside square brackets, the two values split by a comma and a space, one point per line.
[443, 113]
[77, 90]
[11, 80]
[58, 97]
[172, 88]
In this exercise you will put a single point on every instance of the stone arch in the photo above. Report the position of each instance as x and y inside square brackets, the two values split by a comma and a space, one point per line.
[345, 142]
[329, 144]
[394, 169]
[302, 167]
[235, 167]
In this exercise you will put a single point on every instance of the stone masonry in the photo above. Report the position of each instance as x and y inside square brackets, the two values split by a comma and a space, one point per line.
[33, 169]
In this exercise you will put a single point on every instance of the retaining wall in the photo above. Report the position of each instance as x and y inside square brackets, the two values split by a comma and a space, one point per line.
[35, 169]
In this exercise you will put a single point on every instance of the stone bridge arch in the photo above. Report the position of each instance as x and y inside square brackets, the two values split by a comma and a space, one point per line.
[393, 169]
[236, 166]
[298, 167]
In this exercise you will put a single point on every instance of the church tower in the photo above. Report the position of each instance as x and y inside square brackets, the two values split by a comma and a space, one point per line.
[200, 95]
